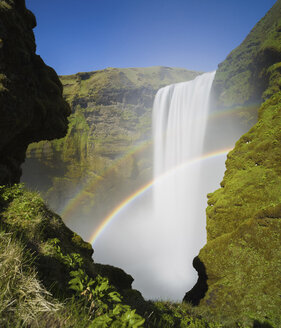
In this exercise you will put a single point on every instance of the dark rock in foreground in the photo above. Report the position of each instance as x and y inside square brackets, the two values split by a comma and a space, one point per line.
[31, 103]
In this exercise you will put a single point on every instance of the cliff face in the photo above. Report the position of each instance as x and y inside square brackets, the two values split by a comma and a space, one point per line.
[107, 150]
[31, 103]
[240, 264]
[242, 255]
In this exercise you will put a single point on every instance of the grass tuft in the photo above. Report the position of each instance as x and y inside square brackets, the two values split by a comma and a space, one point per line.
[22, 297]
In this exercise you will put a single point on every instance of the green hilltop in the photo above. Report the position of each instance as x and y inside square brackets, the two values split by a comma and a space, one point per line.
[111, 81]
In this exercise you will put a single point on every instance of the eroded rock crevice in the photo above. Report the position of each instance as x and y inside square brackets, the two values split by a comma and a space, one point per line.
[200, 288]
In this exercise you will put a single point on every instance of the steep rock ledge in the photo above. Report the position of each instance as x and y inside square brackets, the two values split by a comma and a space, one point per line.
[31, 104]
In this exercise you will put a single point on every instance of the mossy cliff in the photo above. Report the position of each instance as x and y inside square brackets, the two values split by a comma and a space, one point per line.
[239, 267]
[245, 79]
[31, 103]
[107, 150]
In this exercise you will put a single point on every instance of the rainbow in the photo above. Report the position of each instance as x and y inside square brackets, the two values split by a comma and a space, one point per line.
[76, 201]
[138, 193]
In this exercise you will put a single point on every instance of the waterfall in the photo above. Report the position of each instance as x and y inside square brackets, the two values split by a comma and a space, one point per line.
[156, 244]
[180, 115]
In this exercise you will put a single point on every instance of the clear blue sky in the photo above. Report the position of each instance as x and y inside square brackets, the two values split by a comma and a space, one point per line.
[85, 35]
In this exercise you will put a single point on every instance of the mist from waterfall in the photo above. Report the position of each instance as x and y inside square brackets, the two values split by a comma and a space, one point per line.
[153, 235]
[157, 237]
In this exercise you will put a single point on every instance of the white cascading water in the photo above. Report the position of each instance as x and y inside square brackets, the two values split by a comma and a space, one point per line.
[180, 116]
[157, 244]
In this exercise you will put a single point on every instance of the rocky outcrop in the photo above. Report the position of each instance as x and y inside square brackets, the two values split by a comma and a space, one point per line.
[242, 255]
[31, 104]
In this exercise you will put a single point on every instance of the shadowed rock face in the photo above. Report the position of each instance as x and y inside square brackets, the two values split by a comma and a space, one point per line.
[200, 288]
[31, 104]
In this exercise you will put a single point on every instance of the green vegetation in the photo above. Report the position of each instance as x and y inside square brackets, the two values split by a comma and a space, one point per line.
[243, 223]
[25, 302]
[112, 84]
[37, 246]
[178, 315]
[49, 279]
[23, 299]
[103, 302]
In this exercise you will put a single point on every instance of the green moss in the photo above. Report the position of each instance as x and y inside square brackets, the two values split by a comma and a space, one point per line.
[242, 255]
[77, 240]
[118, 79]
[178, 315]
